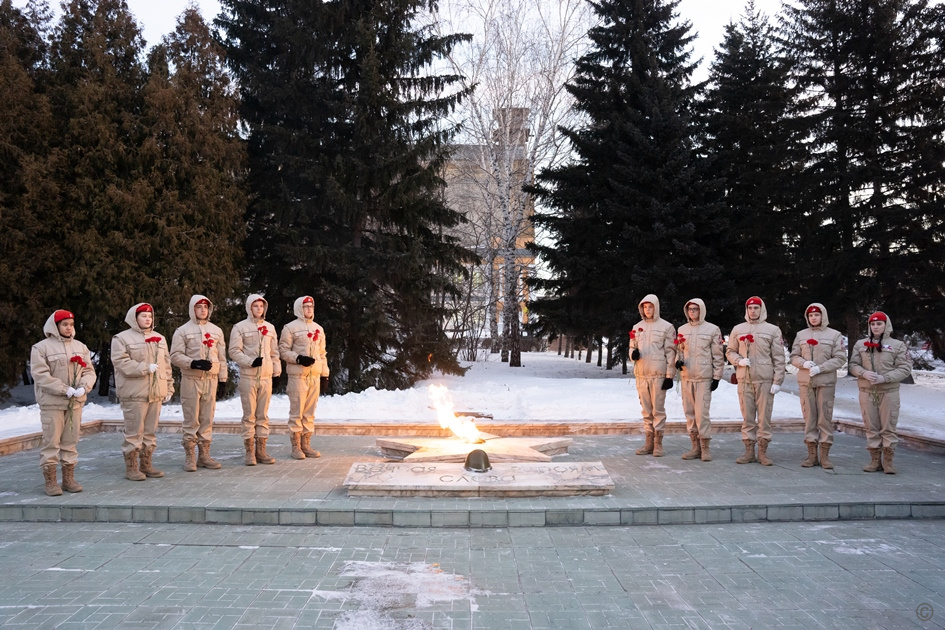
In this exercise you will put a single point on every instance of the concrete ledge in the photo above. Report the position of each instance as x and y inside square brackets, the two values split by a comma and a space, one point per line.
[682, 515]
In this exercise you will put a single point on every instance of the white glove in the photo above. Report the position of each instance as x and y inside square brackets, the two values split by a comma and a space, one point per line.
[152, 367]
[814, 370]
[744, 362]
[875, 378]
[70, 393]
[775, 389]
[808, 365]
[80, 392]
[870, 376]
[167, 398]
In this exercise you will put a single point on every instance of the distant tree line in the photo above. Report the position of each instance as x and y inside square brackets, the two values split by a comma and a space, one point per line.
[810, 166]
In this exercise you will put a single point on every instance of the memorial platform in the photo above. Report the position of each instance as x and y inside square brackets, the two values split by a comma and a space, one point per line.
[647, 490]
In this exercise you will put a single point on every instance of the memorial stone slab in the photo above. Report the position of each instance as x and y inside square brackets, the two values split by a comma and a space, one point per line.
[506, 479]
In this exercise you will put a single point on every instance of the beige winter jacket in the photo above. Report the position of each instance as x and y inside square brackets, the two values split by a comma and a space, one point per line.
[763, 344]
[55, 367]
[654, 339]
[132, 352]
[827, 351]
[700, 347]
[192, 341]
[303, 337]
[252, 338]
[891, 360]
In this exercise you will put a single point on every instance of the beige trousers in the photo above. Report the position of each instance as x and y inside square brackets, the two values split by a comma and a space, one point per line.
[652, 403]
[255, 400]
[880, 417]
[696, 400]
[303, 398]
[141, 422]
[198, 402]
[817, 407]
[59, 437]
[757, 402]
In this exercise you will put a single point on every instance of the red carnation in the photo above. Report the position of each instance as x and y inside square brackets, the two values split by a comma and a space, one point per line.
[208, 343]
[812, 342]
[263, 330]
[633, 335]
[680, 339]
[153, 340]
[748, 338]
[78, 359]
[207, 335]
[870, 344]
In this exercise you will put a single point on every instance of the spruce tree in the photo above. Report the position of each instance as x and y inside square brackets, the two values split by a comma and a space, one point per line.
[25, 133]
[872, 78]
[346, 147]
[633, 202]
[751, 157]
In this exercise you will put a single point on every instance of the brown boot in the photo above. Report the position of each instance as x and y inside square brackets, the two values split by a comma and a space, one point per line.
[131, 467]
[696, 451]
[69, 484]
[706, 455]
[824, 452]
[145, 465]
[190, 460]
[875, 463]
[749, 455]
[888, 452]
[250, 446]
[261, 455]
[658, 444]
[763, 452]
[647, 448]
[52, 486]
[203, 457]
[295, 439]
[305, 445]
[811, 455]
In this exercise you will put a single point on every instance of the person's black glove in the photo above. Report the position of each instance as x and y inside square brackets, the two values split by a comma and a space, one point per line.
[304, 360]
[635, 355]
[667, 384]
[275, 383]
[221, 389]
[679, 364]
[323, 386]
[715, 384]
[257, 362]
[201, 364]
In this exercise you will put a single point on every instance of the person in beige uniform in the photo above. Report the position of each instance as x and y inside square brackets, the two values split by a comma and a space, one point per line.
[198, 350]
[62, 372]
[880, 363]
[700, 359]
[302, 347]
[254, 347]
[654, 355]
[143, 382]
[817, 353]
[756, 349]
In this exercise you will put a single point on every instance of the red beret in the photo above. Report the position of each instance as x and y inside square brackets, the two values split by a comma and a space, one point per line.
[308, 300]
[753, 300]
[60, 315]
[879, 316]
[813, 308]
[144, 308]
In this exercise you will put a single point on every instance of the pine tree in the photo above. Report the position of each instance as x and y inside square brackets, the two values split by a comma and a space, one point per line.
[86, 219]
[189, 231]
[751, 156]
[25, 133]
[634, 200]
[872, 81]
[346, 147]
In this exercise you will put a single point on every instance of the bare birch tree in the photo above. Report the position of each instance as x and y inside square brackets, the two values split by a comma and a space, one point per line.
[519, 61]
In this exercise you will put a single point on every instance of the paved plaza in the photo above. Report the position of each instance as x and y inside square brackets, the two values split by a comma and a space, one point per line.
[678, 544]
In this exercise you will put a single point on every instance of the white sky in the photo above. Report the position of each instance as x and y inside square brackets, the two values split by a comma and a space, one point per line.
[708, 18]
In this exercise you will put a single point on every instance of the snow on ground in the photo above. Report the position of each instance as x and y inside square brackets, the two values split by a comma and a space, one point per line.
[546, 388]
